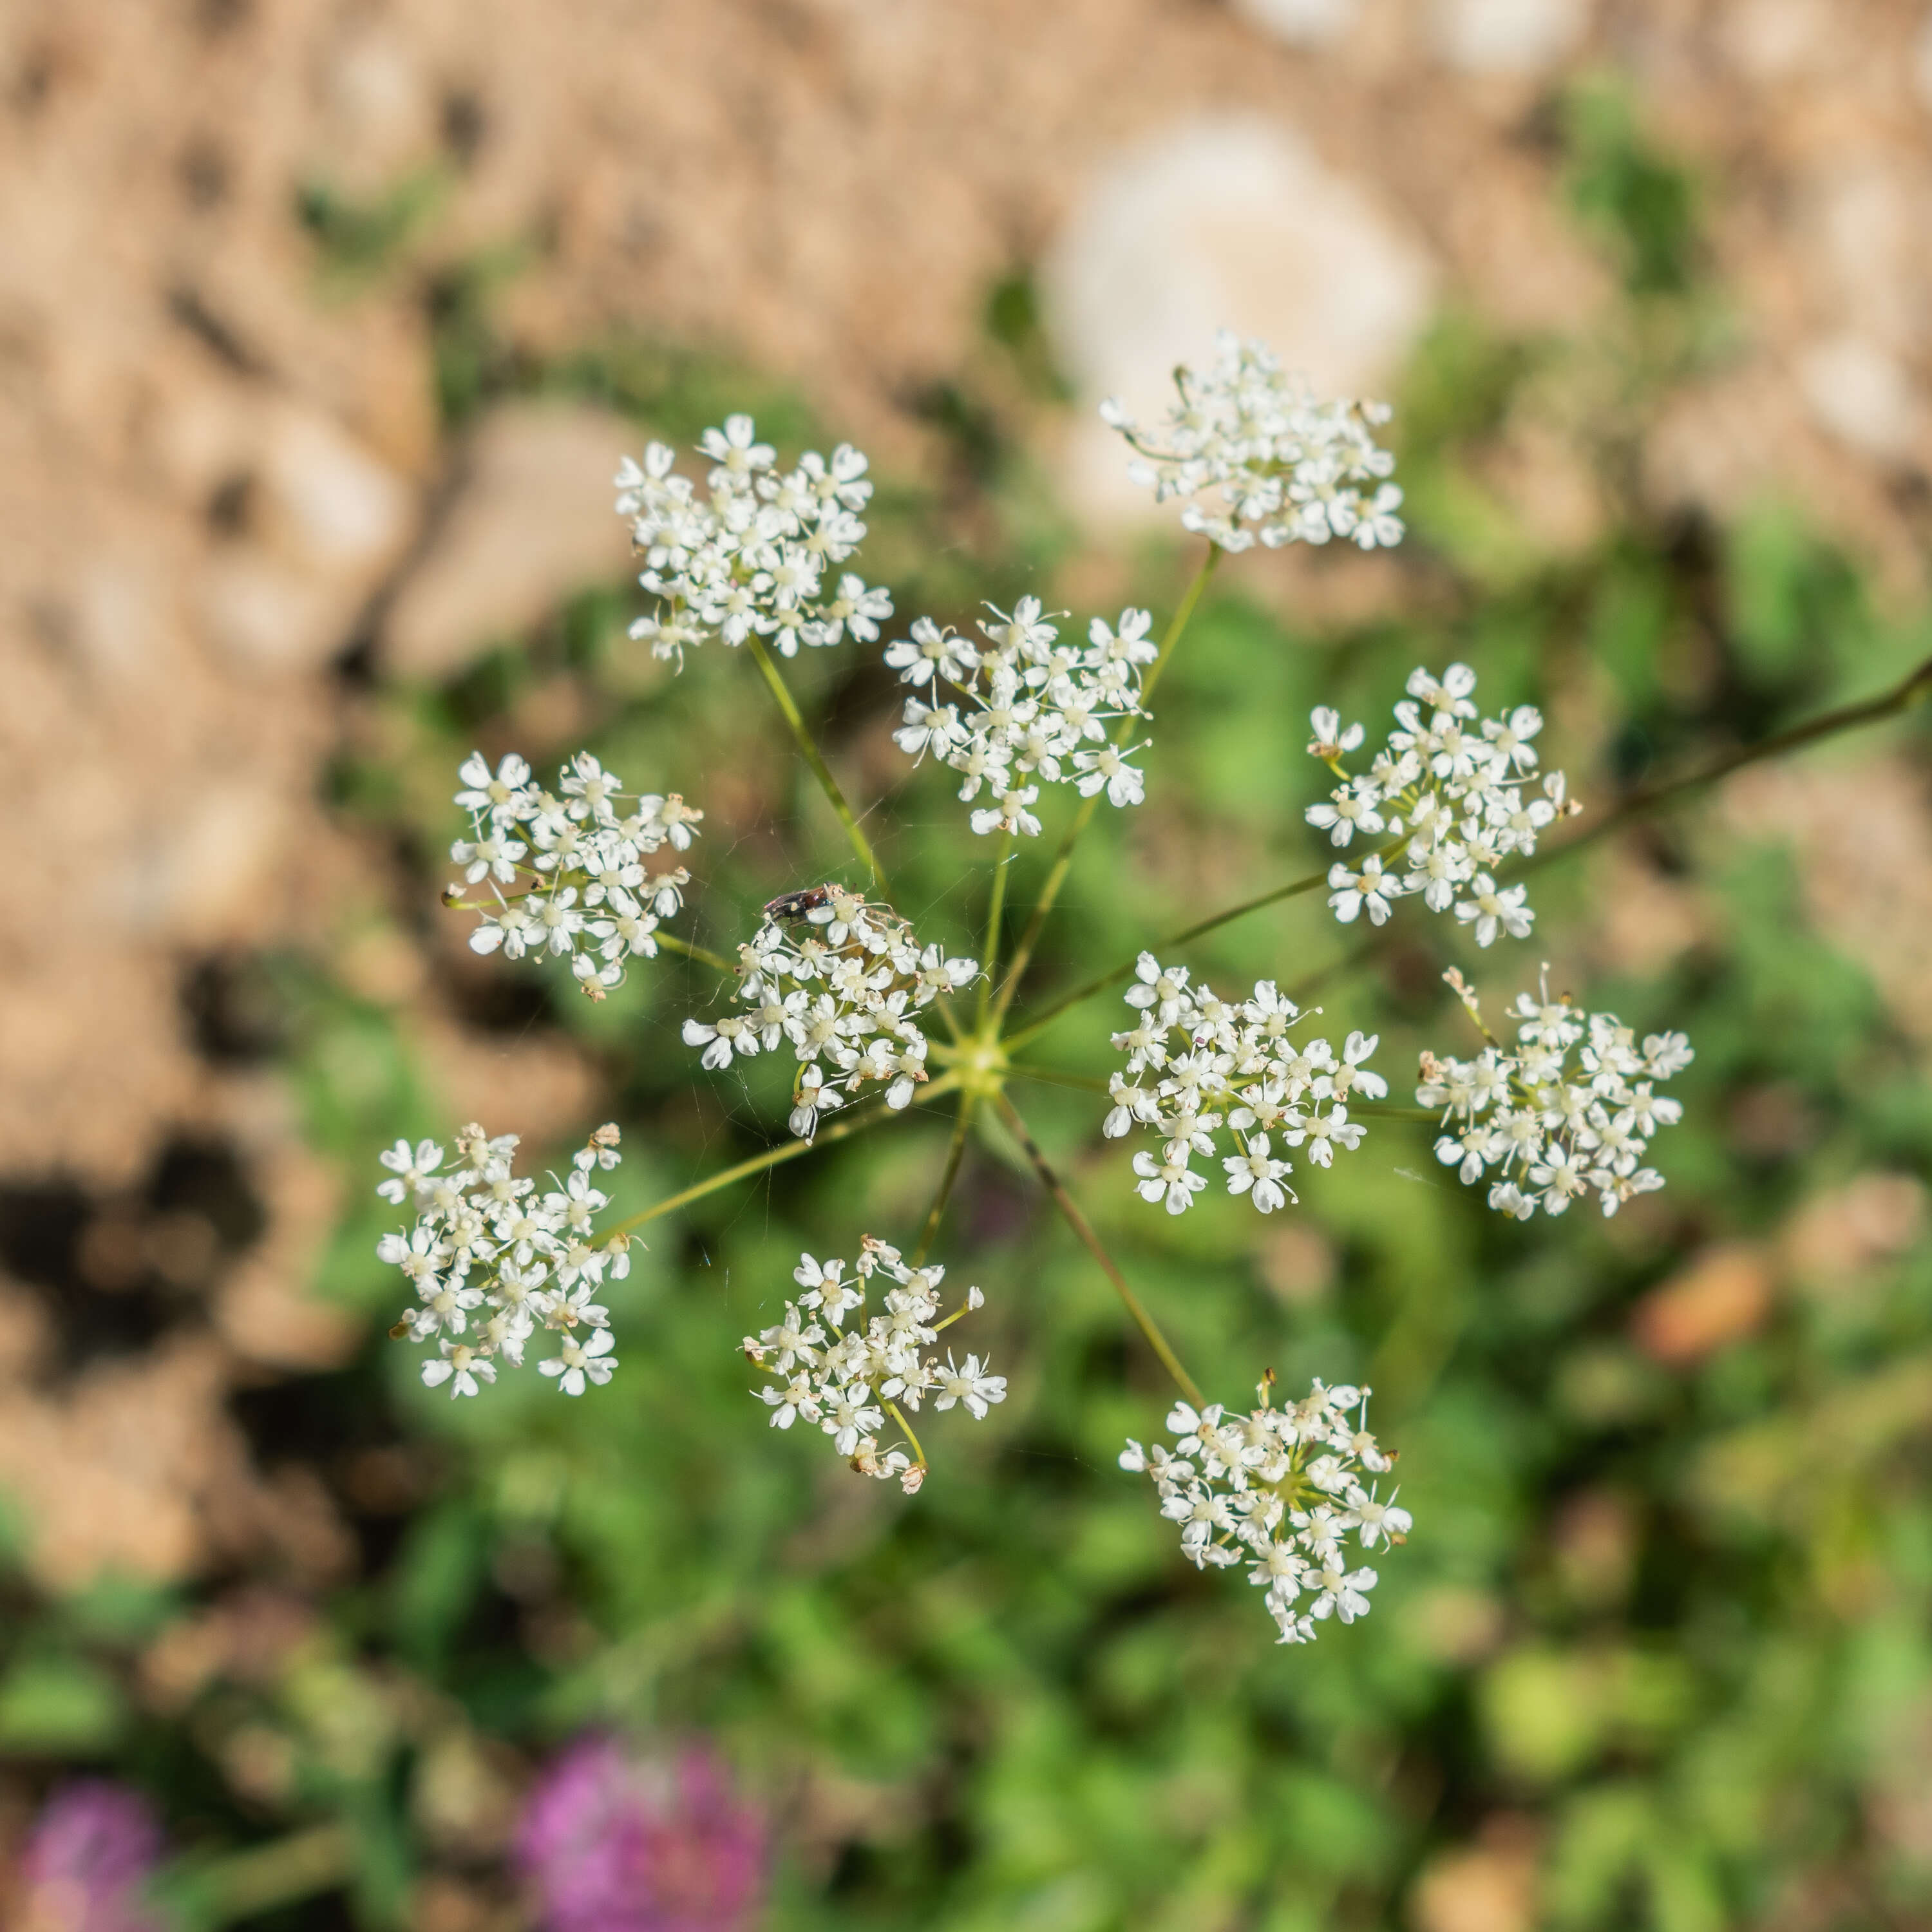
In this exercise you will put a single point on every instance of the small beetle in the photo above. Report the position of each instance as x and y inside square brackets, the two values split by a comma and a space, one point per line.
[796, 905]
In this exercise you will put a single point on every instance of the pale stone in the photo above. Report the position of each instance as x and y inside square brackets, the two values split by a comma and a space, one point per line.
[1776, 40]
[1862, 395]
[1301, 23]
[194, 867]
[1510, 36]
[339, 508]
[381, 116]
[1227, 223]
[1480, 1888]
[262, 616]
[532, 521]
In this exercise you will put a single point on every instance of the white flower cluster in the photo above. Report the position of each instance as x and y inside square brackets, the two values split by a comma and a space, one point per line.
[751, 555]
[845, 996]
[1448, 794]
[1550, 1134]
[1027, 707]
[578, 855]
[1281, 1490]
[1288, 468]
[843, 1379]
[491, 1261]
[1216, 1065]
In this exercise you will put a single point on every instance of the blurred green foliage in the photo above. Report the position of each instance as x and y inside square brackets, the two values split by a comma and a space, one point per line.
[1662, 1622]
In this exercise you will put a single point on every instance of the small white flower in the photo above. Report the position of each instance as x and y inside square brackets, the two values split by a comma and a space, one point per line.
[576, 1362]
[411, 1168]
[1253, 1169]
[970, 1385]
[1489, 909]
[463, 1368]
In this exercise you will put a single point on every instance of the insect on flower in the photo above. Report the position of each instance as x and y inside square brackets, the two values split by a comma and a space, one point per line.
[797, 905]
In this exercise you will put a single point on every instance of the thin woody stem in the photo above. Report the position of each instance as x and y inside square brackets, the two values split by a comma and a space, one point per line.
[815, 759]
[1063, 859]
[836, 1129]
[1909, 690]
[955, 1151]
[703, 955]
[1069, 1208]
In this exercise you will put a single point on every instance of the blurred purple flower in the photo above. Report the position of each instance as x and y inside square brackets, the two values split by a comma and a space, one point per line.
[87, 1859]
[616, 1846]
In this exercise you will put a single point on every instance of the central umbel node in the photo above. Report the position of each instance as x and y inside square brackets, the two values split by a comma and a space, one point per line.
[981, 1065]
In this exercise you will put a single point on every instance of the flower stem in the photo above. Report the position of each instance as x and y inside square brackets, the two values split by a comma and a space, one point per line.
[1909, 690]
[1069, 1208]
[955, 1151]
[1001, 865]
[1064, 858]
[836, 1130]
[1124, 970]
[1055, 1076]
[897, 1414]
[815, 759]
[703, 955]
[245, 1885]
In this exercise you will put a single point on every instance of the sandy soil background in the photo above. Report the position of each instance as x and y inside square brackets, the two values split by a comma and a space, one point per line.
[231, 493]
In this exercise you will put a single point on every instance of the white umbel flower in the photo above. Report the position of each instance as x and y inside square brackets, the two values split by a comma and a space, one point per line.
[491, 1261]
[754, 552]
[573, 861]
[843, 1377]
[1446, 801]
[1549, 1133]
[1257, 456]
[1022, 708]
[845, 996]
[1203, 1075]
[1280, 1490]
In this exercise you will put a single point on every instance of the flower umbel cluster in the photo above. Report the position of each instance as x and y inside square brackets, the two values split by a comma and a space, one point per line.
[846, 1378]
[492, 1262]
[1447, 793]
[574, 859]
[1026, 707]
[1199, 1064]
[1281, 1490]
[845, 996]
[1551, 1133]
[753, 553]
[1285, 468]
